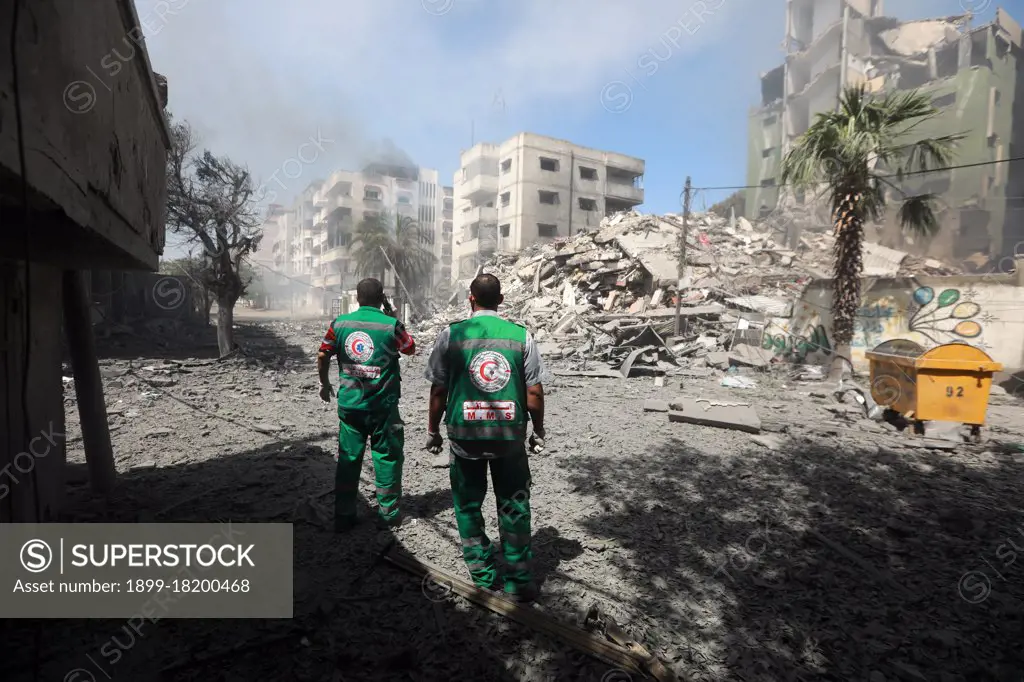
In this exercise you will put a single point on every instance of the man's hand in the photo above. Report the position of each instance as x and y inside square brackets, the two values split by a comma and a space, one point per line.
[537, 441]
[434, 443]
[326, 392]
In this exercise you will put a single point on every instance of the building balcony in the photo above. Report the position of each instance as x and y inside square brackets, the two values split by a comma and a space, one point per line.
[335, 187]
[320, 200]
[480, 188]
[480, 214]
[319, 281]
[624, 192]
[446, 214]
[333, 254]
[333, 279]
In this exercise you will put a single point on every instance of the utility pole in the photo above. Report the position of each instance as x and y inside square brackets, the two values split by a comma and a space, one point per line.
[572, 182]
[399, 279]
[687, 191]
[844, 52]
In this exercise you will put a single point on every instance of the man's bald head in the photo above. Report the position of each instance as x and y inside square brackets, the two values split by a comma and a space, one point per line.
[485, 292]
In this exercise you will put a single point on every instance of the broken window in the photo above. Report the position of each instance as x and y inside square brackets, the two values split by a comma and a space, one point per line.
[944, 100]
[504, 229]
[506, 166]
[773, 85]
[1002, 48]
[547, 230]
[767, 152]
[547, 164]
[770, 121]
[587, 173]
[372, 194]
[979, 48]
[768, 182]
[547, 197]
[505, 198]
[974, 233]
[946, 61]
[588, 204]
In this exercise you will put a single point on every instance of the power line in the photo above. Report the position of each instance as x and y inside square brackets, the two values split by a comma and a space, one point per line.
[825, 182]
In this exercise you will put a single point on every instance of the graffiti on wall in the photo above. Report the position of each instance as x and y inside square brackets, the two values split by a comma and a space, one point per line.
[872, 322]
[797, 347]
[929, 316]
[949, 316]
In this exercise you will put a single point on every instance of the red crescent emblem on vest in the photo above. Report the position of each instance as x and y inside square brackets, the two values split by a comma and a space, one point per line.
[490, 371]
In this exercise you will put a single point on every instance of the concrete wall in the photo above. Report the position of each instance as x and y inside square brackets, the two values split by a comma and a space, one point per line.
[95, 137]
[120, 297]
[984, 311]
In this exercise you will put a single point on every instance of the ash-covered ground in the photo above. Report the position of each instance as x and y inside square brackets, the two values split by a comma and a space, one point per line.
[831, 548]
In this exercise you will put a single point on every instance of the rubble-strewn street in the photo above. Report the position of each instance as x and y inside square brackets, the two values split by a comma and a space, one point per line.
[818, 544]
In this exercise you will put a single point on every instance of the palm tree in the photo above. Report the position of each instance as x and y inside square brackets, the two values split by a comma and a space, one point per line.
[857, 152]
[402, 239]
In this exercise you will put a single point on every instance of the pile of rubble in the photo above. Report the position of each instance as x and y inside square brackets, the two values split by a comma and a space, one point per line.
[607, 299]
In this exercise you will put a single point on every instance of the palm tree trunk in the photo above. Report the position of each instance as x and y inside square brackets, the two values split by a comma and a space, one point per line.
[848, 260]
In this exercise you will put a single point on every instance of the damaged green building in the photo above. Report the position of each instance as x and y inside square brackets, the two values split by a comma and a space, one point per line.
[972, 74]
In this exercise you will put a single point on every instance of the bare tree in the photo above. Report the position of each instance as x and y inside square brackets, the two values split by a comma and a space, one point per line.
[210, 200]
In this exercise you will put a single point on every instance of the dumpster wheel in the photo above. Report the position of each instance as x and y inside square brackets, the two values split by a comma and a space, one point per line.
[975, 433]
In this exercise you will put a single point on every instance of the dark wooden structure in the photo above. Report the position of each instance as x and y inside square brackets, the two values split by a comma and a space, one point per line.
[83, 150]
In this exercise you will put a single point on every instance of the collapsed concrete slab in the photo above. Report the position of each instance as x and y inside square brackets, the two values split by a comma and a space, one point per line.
[736, 417]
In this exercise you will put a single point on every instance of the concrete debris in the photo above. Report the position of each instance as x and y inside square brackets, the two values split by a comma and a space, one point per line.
[735, 381]
[735, 417]
[655, 406]
[606, 298]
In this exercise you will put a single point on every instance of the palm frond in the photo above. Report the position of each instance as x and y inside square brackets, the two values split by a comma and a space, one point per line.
[917, 214]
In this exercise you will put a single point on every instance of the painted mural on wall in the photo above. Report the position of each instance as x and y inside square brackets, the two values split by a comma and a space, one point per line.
[948, 316]
[923, 314]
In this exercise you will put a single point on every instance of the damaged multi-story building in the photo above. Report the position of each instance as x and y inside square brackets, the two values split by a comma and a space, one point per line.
[532, 188]
[973, 77]
[309, 243]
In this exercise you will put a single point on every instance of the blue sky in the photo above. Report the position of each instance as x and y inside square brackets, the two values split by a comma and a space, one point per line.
[258, 79]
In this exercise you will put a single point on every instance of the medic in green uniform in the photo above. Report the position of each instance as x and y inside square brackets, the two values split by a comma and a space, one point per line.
[485, 374]
[367, 343]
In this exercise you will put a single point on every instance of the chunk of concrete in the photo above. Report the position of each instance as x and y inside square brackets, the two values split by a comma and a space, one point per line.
[735, 417]
[656, 406]
[743, 354]
[769, 440]
[717, 359]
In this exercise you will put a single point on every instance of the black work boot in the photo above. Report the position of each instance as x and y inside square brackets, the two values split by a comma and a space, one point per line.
[522, 594]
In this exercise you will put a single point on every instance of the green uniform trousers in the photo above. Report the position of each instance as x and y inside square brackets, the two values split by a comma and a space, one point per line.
[511, 478]
[386, 432]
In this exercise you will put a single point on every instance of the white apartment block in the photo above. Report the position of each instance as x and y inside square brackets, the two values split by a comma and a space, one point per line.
[531, 189]
[309, 243]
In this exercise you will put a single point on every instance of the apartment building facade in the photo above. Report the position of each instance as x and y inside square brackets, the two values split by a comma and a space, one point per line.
[309, 243]
[972, 75]
[533, 188]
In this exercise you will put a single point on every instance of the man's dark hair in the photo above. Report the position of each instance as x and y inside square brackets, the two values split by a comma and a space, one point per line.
[370, 292]
[486, 289]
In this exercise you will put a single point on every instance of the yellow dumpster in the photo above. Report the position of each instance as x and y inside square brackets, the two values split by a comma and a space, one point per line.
[948, 383]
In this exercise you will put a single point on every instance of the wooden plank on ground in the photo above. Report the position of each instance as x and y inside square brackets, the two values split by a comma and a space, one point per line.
[599, 648]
